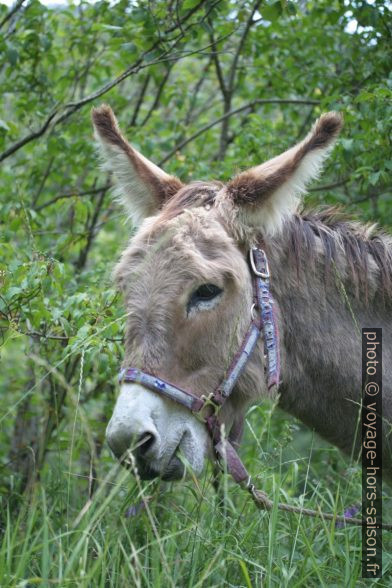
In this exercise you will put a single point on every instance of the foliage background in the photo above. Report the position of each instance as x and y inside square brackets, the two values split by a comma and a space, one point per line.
[204, 88]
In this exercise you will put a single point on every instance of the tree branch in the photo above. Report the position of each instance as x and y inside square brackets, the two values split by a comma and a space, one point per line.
[43, 182]
[71, 107]
[233, 68]
[71, 194]
[227, 87]
[18, 5]
[196, 91]
[218, 69]
[38, 335]
[34, 135]
[82, 259]
[228, 115]
[140, 100]
[158, 95]
[330, 186]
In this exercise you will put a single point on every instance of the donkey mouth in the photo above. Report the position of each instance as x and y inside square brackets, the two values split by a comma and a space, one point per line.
[173, 471]
[133, 459]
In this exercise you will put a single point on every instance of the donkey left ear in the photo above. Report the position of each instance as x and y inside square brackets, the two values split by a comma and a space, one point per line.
[267, 193]
[141, 185]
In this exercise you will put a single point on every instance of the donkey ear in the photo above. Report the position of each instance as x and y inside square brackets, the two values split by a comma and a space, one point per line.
[141, 185]
[267, 193]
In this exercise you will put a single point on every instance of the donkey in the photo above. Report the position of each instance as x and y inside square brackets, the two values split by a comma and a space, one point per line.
[188, 291]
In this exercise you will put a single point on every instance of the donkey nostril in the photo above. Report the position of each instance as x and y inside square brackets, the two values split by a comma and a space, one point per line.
[145, 443]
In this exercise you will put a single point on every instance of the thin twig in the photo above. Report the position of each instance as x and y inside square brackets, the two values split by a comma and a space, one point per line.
[37, 335]
[155, 104]
[305, 124]
[92, 191]
[218, 69]
[374, 194]
[140, 99]
[34, 135]
[196, 91]
[330, 186]
[227, 86]
[43, 182]
[233, 68]
[231, 113]
[91, 233]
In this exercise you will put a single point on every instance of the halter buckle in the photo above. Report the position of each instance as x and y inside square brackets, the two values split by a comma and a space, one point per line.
[265, 275]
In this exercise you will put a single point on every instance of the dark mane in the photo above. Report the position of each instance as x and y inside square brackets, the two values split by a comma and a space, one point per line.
[338, 231]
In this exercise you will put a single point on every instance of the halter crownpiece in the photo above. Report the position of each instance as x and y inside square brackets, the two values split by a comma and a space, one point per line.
[206, 408]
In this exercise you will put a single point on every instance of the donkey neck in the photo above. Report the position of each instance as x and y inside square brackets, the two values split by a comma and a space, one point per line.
[320, 321]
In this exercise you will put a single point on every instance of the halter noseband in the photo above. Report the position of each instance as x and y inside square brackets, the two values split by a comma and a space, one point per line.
[206, 408]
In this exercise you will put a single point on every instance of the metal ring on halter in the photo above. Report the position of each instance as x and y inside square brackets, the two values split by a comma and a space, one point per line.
[253, 309]
[265, 275]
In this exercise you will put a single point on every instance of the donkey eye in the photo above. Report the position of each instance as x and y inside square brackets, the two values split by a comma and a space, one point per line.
[204, 294]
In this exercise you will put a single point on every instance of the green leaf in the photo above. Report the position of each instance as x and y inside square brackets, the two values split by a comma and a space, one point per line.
[272, 11]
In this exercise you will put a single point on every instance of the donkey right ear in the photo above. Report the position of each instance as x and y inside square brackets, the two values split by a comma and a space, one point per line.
[141, 185]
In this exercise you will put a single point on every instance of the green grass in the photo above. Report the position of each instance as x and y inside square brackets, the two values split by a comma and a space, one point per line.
[186, 536]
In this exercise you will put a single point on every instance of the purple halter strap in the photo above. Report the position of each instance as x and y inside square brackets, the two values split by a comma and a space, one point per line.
[206, 408]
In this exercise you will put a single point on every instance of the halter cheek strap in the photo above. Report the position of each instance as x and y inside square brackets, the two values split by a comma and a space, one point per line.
[206, 408]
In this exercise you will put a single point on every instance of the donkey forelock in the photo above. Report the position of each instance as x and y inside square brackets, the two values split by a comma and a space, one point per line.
[192, 195]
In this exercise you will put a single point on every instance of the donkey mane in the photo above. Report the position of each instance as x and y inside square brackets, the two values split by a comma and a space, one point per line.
[339, 232]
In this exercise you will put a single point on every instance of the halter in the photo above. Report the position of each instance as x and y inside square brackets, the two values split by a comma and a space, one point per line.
[206, 408]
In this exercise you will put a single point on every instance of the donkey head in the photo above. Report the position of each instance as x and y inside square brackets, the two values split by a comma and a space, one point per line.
[188, 290]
